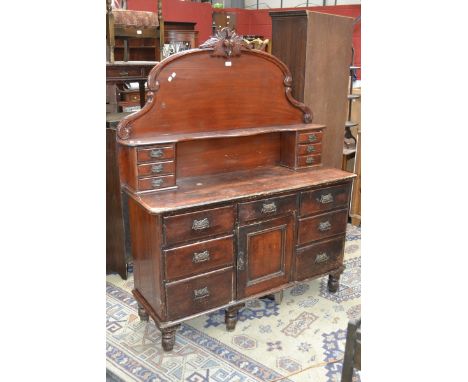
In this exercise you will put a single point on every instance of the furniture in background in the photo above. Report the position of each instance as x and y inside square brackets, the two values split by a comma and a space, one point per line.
[258, 42]
[223, 19]
[178, 37]
[124, 26]
[355, 116]
[228, 198]
[317, 49]
[352, 355]
[117, 245]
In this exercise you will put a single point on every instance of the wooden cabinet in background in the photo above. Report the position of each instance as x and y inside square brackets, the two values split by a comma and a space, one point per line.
[317, 49]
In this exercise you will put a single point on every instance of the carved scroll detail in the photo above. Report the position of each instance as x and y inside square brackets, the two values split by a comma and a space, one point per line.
[308, 116]
[226, 43]
[124, 129]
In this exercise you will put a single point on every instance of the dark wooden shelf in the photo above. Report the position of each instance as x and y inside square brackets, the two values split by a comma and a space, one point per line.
[198, 191]
[180, 137]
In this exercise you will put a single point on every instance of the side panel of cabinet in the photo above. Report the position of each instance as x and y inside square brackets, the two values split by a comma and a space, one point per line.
[145, 231]
[264, 255]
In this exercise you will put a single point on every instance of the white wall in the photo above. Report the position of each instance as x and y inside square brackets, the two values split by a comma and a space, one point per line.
[252, 4]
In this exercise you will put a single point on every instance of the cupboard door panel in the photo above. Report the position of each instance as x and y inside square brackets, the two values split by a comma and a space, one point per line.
[265, 255]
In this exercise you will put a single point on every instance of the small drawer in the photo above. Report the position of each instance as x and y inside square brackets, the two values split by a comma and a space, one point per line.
[155, 153]
[311, 137]
[325, 199]
[322, 226]
[156, 168]
[187, 297]
[319, 258]
[264, 208]
[155, 183]
[124, 71]
[199, 258]
[309, 149]
[198, 224]
[131, 97]
[309, 160]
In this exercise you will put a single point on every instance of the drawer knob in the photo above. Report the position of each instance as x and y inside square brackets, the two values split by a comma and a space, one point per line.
[312, 137]
[201, 293]
[268, 208]
[157, 168]
[326, 198]
[321, 258]
[157, 153]
[310, 160]
[240, 261]
[157, 182]
[198, 225]
[123, 73]
[200, 257]
[310, 149]
[324, 226]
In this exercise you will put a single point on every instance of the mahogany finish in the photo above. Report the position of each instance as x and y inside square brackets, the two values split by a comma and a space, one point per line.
[224, 229]
[205, 256]
[198, 224]
[320, 257]
[201, 293]
[264, 255]
[322, 226]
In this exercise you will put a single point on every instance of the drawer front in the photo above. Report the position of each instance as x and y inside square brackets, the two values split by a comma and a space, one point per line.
[322, 226]
[309, 160]
[199, 258]
[155, 153]
[156, 168]
[195, 225]
[124, 71]
[325, 199]
[309, 149]
[311, 137]
[131, 97]
[261, 209]
[319, 258]
[155, 183]
[198, 294]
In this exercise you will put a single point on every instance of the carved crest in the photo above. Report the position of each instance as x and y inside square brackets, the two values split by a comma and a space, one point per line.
[226, 43]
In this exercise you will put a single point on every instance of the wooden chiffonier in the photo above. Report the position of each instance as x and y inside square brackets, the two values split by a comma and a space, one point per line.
[227, 197]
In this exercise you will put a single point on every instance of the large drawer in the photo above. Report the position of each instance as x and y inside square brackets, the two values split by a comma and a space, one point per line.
[319, 258]
[261, 209]
[325, 199]
[198, 224]
[199, 257]
[198, 294]
[322, 226]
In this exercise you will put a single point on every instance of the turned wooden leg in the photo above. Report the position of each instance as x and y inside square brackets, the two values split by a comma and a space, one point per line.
[144, 316]
[230, 317]
[334, 279]
[168, 337]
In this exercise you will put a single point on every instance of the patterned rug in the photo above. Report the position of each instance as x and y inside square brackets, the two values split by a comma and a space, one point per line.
[270, 343]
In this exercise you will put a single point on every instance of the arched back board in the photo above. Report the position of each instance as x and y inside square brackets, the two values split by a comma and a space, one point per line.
[222, 86]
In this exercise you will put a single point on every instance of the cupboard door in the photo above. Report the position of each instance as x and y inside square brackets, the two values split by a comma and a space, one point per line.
[264, 255]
